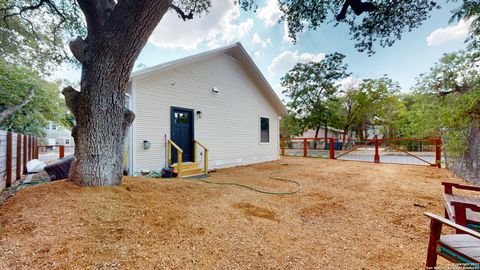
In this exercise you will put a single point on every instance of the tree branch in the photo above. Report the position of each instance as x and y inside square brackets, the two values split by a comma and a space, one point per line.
[182, 14]
[71, 99]
[96, 12]
[8, 112]
[78, 47]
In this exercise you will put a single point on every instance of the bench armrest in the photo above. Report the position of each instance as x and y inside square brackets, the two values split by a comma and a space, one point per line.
[449, 186]
[454, 225]
[464, 205]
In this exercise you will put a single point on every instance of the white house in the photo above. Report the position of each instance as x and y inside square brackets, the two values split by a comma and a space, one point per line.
[57, 135]
[218, 98]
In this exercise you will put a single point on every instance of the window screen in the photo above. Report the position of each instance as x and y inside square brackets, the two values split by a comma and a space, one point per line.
[264, 130]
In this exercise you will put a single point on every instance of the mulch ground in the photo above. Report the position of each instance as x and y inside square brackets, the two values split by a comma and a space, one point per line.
[348, 215]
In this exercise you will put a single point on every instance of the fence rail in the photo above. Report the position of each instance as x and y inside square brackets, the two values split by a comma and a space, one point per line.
[404, 151]
[15, 151]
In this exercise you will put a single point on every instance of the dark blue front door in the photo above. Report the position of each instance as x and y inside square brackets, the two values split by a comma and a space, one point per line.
[181, 130]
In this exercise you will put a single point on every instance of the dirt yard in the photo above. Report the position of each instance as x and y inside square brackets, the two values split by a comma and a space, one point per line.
[348, 215]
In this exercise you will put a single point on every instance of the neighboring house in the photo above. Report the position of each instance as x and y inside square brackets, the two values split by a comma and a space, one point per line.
[57, 135]
[218, 98]
[331, 133]
[375, 132]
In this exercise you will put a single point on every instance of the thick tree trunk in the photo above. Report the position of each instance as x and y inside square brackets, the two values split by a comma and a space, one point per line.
[116, 36]
[472, 155]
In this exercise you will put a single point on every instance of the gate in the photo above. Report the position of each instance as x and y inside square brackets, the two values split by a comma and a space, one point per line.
[397, 151]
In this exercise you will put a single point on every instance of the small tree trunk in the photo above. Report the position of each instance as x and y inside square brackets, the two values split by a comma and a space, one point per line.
[316, 136]
[326, 136]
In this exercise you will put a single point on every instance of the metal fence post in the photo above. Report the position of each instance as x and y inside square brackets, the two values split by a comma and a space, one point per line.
[376, 158]
[332, 148]
[305, 151]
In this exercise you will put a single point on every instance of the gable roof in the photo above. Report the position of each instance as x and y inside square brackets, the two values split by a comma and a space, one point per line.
[236, 51]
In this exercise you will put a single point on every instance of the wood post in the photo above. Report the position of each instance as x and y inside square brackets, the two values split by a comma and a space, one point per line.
[9, 162]
[435, 231]
[35, 149]
[179, 164]
[438, 153]
[29, 157]
[332, 148]
[194, 152]
[205, 161]
[31, 147]
[19, 157]
[376, 158]
[62, 151]
[305, 150]
[282, 146]
[25, 153]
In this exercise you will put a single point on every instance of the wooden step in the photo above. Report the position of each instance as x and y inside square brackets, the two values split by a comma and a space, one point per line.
[185, 166]
[191, 172]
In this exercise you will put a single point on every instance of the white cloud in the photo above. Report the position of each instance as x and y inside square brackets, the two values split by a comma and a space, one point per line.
[443, 35]
[264, 43]
[287, 59]
[256, 39]
[285, 37]
[68, 72]
[349, 82]
[219, 26]
[270, 14]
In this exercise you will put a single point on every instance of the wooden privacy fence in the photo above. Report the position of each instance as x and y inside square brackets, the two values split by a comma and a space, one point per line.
[15, 151]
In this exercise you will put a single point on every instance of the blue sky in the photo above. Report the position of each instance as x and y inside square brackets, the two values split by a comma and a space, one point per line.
[274, 54]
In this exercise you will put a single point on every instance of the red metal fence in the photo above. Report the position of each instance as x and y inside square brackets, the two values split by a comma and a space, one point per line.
[400, 151]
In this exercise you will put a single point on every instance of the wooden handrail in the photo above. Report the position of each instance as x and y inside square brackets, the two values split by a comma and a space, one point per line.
[179, 156]
[176, 146]
[205, 156]
[199, 143]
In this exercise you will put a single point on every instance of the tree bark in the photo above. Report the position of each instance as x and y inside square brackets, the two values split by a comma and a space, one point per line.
[326, 136]
[11, 110]
[472, 155]
[116, 35]
[316, 136]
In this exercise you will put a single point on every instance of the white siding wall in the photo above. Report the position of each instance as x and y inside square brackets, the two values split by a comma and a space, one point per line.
[230, 122]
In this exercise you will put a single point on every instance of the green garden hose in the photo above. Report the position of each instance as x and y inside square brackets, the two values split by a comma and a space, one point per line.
[269, 175]
[157, 174]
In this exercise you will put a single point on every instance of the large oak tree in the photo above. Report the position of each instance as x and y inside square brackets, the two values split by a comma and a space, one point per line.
[115, 31]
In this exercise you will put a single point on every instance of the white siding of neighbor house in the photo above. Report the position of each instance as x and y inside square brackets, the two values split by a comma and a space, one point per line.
[230, 121]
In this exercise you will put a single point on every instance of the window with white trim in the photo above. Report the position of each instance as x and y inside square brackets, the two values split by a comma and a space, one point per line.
[264, 130]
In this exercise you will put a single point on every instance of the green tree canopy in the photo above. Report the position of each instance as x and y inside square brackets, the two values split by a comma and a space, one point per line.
[46, 105]
[310, 86]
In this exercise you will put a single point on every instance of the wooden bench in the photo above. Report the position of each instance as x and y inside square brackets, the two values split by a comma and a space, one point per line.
[461, 209]
[462, 248]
